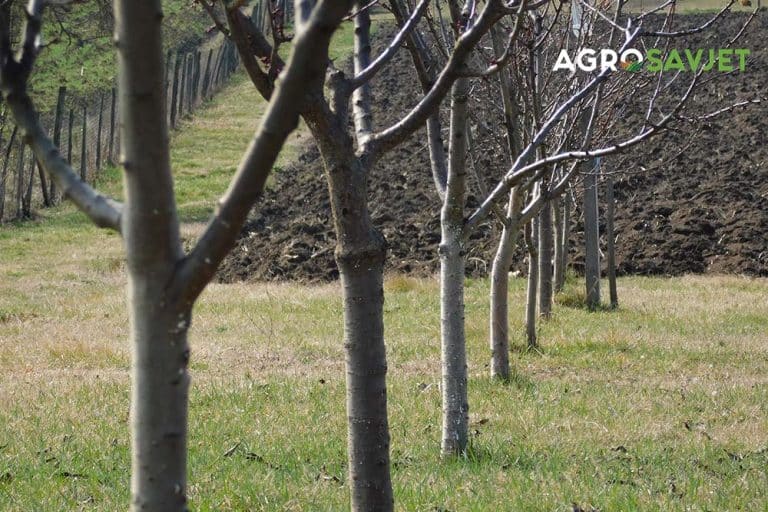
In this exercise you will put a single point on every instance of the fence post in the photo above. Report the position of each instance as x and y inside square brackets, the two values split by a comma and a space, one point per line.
[113, 110]
[98, 133]
[207, 76]
[3, 179]
[175, 91]
[20, 181]
[198, 71]
[182, 85]
[69, 135]
[57, 133]
[30, 184]
[190, 79]
[83, 148]
[167, 83]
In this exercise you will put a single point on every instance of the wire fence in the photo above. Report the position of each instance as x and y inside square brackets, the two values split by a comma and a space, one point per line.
[85, 128]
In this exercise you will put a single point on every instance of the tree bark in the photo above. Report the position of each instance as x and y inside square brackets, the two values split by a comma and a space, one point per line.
[559, 271]
[533, 271]
[499, 317]
[591, 239]
[158, 326]
[566, 238]
[360, 254]
[610, 214]
[545, 260]
[454, 353]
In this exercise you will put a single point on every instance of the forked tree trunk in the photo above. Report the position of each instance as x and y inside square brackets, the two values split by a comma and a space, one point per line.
[559, 271]
[545, 260]
[499, 293]
[454, 352]
[533, 277]
[591, 239]
[158, 327]
[610, 214]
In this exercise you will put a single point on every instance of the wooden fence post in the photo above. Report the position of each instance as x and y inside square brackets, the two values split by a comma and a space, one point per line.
[4, 177]
[113, 110]
[175, 91]
[69, 135]
[83, 148]
[20, 181]
[57, 133]
[98, 133]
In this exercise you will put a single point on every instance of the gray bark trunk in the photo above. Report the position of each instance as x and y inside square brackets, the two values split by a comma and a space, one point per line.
[545, 260]
[591, 240]
[499, 293]
[566, 238]
[559, 271]
[360, 256]
[533, 277]
[499, 299]
[158, 328]
[454, 353]
[611, 242]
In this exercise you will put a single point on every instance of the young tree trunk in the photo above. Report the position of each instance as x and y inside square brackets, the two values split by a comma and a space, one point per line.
[454, 352]
[360, 254]
[559, 271]
[591, 239]
[499, 327]
[158, 325]
[565, 236]
[609, 233]
[533, 277]
[545, 261]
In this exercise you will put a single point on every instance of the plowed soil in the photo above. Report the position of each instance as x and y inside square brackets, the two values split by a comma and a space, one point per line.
[685, 203]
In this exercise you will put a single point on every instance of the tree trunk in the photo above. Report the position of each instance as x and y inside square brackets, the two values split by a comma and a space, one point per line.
[609, 233]
[545, 260]
[591, 239]
[565, 238]
[360, 253]
[499, 328]
[454, 352]
[533, 271]
[158, 326]
[559, 271]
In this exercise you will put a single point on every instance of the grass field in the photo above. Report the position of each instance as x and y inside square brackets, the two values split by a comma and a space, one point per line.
[659, 405]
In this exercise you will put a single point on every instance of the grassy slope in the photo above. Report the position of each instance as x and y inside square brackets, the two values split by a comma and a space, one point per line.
[657, 406]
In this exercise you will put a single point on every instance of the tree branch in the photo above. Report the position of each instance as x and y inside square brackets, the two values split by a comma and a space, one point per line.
[14, 74]
[305, 69]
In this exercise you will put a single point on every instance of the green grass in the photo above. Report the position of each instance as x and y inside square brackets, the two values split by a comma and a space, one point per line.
[659, 405]
[686, 6]
[618, 410]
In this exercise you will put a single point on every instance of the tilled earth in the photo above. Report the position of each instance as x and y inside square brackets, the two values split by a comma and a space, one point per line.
[685, 203]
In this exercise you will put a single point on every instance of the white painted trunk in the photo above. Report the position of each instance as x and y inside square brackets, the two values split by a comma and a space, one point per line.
[533, 277]
[610, 214]
[453, 341]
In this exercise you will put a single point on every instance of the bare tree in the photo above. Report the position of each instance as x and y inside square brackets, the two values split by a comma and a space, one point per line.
[163, 281]
[349, 156]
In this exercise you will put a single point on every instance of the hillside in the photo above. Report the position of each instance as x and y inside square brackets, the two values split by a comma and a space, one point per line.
[685, 203]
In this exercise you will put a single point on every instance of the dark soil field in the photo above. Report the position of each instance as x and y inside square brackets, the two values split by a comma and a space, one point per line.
[686, 203]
